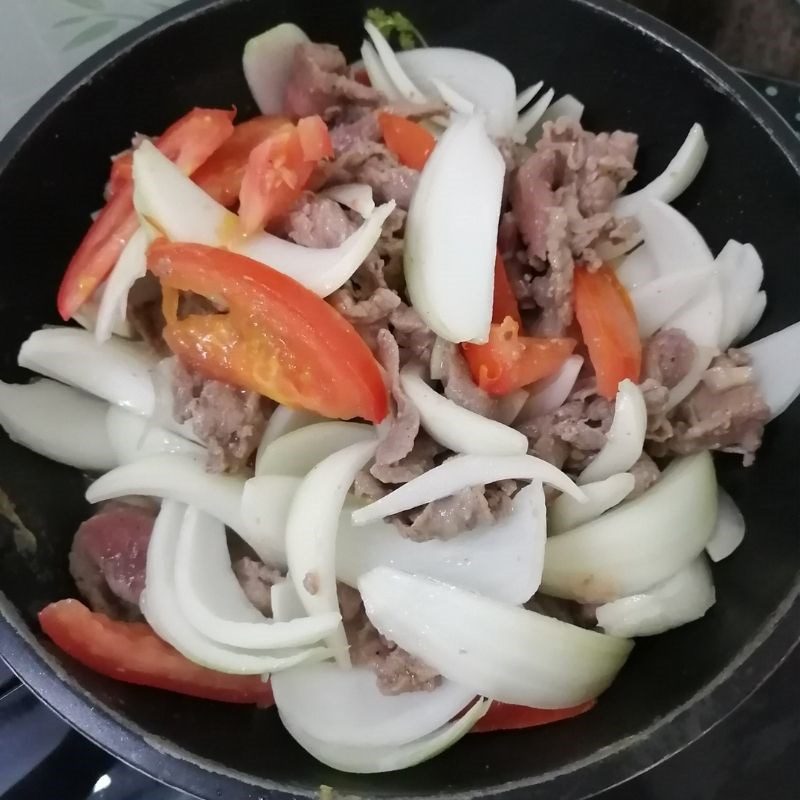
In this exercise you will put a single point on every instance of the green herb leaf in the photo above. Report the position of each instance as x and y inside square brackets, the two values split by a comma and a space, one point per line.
[396, 23]
[91, 33]
[92, 5]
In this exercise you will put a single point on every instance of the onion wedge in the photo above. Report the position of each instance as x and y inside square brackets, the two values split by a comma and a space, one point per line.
[311, 534]
[461, 472]
[639, 544]
[457, 428]
[528, 119]
[566, 106]
[286, 605]
[451, 233]
[625, 438]
[86, 316]
[526, 95]
[741, 273]
[265, 505]
[211, 599]
[183, 212]
[378, 76]
[770, 356]
[355, 196]
[673, 181]
[452, 98]
[551, 393]
[58, 422]
[565, 514]
[117, 371]
[502, 560]
[346, 707]
[684, 597]
[285, 420]
[686, 385]
[368, 760]
[730, 529]
[637, 269]
[752, 316]
[394, 70]
[297, 452]
[497, 650]
[267, 63]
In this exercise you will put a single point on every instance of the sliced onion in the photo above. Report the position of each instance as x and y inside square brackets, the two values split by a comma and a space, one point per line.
[311, 534]
[565, 514]
[57, 422]
[672, 182]
[210, 597]
[526, 95]
[267, 63]
[551, 393]
[680, 391]
[461, 472]
[497, 650]
[131, 265]
[439, 355]
[640, 543]
[183, 212]
[684, 597]
[477, 78]
[501, 560]
[286, 605]
[625, 438]
[637, 268]
[457, 428]
[117, 371]
[266, 500]
[775, 359]
[285, 420]
[378, 76]
[753, 316]
[346, 707]
[730, 528]
[451, 233]
[393, 68]
[741, 273]
[133, 437]
[528, 119]
[566, 106]
[368, 760]
[297, 452]
[162, 611]
[356, 196]
[86, 316]
[452, 98]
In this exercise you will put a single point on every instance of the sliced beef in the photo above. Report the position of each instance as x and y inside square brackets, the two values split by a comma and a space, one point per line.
[145, 315]
[645, 472]
[362, 127]
[413, 336]
[257, 580]
[446, 518]
[230, 421]
[419, 460]
[369, 316]
[668, 356]
[318, 222]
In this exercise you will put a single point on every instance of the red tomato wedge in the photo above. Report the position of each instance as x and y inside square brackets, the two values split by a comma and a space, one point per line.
[131, 652]
[509, 361]
[408, 140]
[505, 301]
[278, 170]
[121, 173]
[188, 142]
[506, 717]
[609, 328]
[276, 338]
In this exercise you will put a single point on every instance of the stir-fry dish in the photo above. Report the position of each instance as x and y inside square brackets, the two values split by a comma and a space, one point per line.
[398, 407]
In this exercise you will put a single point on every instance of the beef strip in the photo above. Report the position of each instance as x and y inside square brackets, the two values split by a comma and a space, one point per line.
[645, 472]
[257, 580]
[668, 356]
[318, 222]
[417, 461]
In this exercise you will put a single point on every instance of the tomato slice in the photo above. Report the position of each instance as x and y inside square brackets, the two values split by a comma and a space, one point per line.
[121, 173]
[188, 142]
[276, 337]
[505, 301]
[131, 652]
[608, 324]
[409, 141]
[507, 717]
[509, 361]
[278, 170]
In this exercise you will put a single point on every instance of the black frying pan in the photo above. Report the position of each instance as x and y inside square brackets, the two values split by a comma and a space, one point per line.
[632, 72]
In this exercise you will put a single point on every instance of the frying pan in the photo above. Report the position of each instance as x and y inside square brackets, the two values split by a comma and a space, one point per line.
[632, 72]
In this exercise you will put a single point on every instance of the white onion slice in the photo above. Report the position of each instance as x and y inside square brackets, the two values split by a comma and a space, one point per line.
[378, 76]
[285, 420]
[57, 422]
[640, 543]
[775, 360]
[526, 95]
[451, 233]
[477, 78]
[356, 196]
[183, 212]
[527, 119]
[117, 371]
[266, 500]
[461, 472]
[286, 605]
[133, 436]
[684, 597]
[753, 316]
[565, 514]
[625, 438]
[566, 106]
[210, 597]
[501, 560]
[267, 63]
[452, 98]
[638, 268]
[658, 300]
[131, 265]
[86, 316]
[730, 528]
[346, 707]
[393, 68]
[457, 428]
[162, 611]
[686, 385]
[741, 273]
[297, 452]
[551, 393]
[497, 650]
[368, 760]
[680, 172]
[311, 534]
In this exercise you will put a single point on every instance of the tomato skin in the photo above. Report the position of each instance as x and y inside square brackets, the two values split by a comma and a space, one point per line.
[276, 338]
[508, 361]
[505, 301]
[507, 717]
[195, 136]
[609, 328]
[131, 652]
[408, 140]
